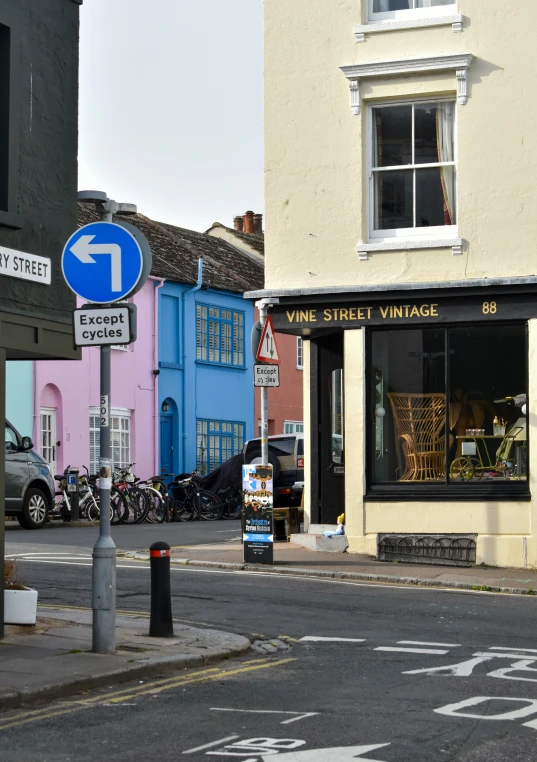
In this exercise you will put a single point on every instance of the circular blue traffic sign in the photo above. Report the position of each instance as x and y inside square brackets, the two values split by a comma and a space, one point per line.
[102, 262]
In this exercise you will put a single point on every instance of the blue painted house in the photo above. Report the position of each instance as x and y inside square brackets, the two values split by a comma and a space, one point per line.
[206, 393]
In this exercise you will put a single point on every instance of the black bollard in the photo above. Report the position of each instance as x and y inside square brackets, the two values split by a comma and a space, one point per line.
[161, 624]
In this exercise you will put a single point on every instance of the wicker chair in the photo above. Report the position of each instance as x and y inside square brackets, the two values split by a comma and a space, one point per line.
[420, 421]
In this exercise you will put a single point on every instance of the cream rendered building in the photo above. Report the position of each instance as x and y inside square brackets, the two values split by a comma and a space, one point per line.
[401, 241]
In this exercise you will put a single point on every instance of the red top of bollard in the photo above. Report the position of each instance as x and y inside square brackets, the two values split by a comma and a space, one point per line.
[159, 553]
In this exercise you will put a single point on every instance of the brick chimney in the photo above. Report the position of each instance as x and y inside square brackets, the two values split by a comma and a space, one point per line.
[248, 222]
[238, 224]
[258, 224]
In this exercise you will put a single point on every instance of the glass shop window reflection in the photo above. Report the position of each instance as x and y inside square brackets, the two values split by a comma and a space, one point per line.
[337, 415]
[477, 398]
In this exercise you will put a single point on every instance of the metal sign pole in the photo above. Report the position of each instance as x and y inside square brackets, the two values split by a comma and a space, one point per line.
[104, 552]
[264, 397]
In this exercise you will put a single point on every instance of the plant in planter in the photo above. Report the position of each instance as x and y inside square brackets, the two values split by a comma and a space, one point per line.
[20, 602]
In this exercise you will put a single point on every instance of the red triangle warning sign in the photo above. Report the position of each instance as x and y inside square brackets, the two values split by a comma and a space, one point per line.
[268, 351]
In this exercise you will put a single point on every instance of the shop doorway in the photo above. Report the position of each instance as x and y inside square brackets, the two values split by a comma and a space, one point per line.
[328, 434]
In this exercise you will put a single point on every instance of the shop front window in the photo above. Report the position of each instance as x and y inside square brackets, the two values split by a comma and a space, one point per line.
[448, 405]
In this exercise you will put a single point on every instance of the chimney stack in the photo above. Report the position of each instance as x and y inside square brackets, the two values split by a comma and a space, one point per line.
[248, 223]
[237, 224]
[258, 224]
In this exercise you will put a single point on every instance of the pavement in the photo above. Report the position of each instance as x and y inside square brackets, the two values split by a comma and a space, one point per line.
[295, 560]
[54, 658]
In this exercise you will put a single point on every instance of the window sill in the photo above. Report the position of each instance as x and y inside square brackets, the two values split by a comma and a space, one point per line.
[395, 25]
[9, 220]
[397, 244]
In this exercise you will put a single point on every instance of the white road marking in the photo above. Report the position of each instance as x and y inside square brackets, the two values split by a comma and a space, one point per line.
[316, 639]
[335, 754]
[300, 715]
[412, 650]
[211, 745]
[422, 643]
[452, 710]
[512, 650]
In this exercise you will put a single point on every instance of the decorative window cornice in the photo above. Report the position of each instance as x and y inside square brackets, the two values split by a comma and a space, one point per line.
[431, 65]
[360, 30]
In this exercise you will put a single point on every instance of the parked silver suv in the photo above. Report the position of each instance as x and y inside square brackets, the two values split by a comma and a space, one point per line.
[29, 483]
[286, 455]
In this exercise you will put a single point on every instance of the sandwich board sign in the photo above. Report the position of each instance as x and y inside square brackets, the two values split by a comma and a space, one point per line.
[258, 532]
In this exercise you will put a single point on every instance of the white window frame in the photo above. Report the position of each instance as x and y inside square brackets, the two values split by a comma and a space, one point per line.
[120, 413]
[299, 353]
[412, 13]
[293, 427]
[440, 233]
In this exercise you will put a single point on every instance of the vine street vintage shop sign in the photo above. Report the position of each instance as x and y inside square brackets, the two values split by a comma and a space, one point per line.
[19, 264]
[453, 309]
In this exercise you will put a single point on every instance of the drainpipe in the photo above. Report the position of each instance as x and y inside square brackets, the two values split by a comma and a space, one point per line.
[37, 412]
[184, 355]
[157, 283]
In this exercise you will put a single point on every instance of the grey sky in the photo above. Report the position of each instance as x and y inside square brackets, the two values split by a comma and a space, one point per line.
[171, 106]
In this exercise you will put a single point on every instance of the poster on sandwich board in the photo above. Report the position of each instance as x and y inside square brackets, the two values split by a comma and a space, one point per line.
[258, 523]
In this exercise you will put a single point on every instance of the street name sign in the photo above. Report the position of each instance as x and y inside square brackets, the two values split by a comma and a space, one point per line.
[98, 326]
[19, 264]
[268, 351]
[266, 375]
[104, 262]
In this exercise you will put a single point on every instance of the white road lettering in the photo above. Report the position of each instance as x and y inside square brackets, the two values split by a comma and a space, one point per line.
[453, 710]
[463, 669]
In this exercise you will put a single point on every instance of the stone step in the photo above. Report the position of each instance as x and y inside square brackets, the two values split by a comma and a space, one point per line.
[336, 544]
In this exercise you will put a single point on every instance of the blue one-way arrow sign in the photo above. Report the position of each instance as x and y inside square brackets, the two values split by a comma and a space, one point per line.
[103, 262]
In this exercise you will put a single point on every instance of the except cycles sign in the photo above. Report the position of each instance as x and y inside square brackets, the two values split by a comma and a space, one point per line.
[104, 325]
[266, 375]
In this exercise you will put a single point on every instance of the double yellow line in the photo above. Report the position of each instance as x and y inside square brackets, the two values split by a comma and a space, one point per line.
[150, 688]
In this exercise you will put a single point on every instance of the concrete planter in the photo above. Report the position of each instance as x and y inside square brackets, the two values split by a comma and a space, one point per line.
[20, 606]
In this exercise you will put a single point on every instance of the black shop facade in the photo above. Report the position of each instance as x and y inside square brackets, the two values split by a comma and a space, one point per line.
[416, 409]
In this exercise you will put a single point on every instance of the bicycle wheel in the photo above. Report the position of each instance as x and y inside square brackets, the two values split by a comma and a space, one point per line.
[232, 507]
[210, 506]
[93, 509]
[118, 507]
[138, 505]
[182, 511]
[156, 513]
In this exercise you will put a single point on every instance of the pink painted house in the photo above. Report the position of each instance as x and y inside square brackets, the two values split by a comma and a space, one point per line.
[66, 399]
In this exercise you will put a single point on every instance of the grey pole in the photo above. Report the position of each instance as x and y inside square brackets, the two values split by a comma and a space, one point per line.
[2, 483]
[104, 552]
[264, 397]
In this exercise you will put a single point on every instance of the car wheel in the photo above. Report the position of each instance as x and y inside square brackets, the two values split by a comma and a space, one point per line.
[34, 510]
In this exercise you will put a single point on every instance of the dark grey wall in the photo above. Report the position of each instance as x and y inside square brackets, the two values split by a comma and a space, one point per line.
[43, 148]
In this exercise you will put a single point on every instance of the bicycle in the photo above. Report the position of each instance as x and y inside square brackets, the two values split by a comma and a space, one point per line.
[88, 503]
[156, 502]
[137, 502]
[185, 501]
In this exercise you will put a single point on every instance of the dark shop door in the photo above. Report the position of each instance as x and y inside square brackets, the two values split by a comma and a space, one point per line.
[330, 440]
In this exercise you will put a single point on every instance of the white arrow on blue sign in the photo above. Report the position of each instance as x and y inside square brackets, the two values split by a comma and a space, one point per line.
[102, 262]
